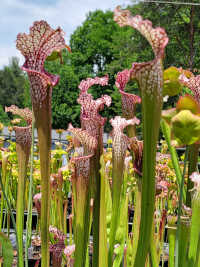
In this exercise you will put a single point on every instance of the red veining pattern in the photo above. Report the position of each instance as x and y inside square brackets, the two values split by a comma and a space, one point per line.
[148, 74]
[157, 37]
[37, 201]
[94, 128]
[128, 100]
[39, 44]
[137, 147]
[23, 134]
[84, 137]
[120, 140]
[25, 113]
[35, 47]
[59, 235]
[89, 106]
[193, 84]
[86, 84]
[39, 83]
[69, 250]
[82, 166]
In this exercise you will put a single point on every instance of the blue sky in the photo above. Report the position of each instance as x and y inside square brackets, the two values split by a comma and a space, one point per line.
[18, 15]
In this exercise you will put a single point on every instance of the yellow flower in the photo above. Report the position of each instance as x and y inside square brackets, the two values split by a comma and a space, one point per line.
[36, 175]
[1, 127]
[16, 121]
[59, 131]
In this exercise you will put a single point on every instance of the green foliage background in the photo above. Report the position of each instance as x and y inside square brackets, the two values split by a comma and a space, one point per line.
[99, 46]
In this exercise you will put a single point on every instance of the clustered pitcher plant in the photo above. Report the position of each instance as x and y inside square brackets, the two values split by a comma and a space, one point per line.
[115, 204]
[35, 47]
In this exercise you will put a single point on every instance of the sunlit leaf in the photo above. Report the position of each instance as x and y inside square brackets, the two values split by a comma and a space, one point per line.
[186, 127]
[171, 85]
[7, 250]
[188, 102]
[54, 55]
[57, 55]
[193, 83]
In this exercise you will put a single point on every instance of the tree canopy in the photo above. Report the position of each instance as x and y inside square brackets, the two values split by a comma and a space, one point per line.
[14, 88]
[182, 24]
[99, 46]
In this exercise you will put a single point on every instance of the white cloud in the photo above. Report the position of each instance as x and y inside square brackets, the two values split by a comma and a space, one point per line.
[18, 16]
[7, 52]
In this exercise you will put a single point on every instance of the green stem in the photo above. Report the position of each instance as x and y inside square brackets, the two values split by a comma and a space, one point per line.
[8, 223]
[122, 227]
[70, 230]
[23, 157]
[154, 259]
[96, 210]
[87, 264]
[103, 252]
[30, 196]
[183, 241]
[43, 124]
[175, 161]
[151, 111]
[82, 221]
[1, 215]
[60, 203]
[193, 159]
[194, 252]
[6, 186]
[11, 214]
[65, 217]
[179, 208]
[197, 263]
[4, 169]
[117, 180]
[131, 130]
[137, 217]
[171, 232]
[20, 215]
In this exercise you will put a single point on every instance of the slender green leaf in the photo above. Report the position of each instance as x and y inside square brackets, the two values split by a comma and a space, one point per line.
[7, 250]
